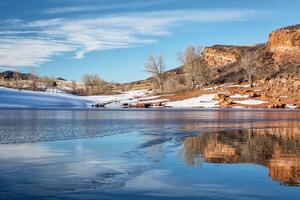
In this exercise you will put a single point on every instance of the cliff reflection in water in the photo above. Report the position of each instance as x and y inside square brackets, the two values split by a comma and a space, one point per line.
[276, 148]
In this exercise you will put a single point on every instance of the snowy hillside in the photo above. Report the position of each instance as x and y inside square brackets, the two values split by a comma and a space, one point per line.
[10, 98]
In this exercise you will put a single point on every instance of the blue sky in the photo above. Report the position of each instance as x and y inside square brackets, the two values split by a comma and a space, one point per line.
[68, 38]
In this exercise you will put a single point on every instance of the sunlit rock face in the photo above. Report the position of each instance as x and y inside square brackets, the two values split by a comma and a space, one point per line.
[221, 55]
[285, 44]
[276, 148]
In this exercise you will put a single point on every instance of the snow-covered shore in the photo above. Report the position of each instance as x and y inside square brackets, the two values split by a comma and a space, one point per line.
[11, 98]
[204, 101]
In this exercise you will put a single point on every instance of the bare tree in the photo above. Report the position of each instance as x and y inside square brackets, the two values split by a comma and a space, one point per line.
[93, 84]
[49, 81]
[194, 66]
[174, 84]
[92, 80]
[156, 67]
[17, 80]
[34, 80]
[249, 63]
[74, 86]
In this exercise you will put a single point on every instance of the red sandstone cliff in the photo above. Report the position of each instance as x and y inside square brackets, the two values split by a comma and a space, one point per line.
[221, 55]
[285, 44]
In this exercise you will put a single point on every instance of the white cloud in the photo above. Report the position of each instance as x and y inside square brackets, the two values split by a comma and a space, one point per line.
[70, 9]
[103, 7]
[24, 44]
[18, 52]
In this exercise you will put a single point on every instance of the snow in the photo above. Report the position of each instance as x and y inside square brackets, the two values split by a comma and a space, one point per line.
[284, 97]
[238, 107]
[236, 85]
[228, 85]
[152, 99]
[148, 98]
[236, 96]
[251, 102]
[55, 90]
[205, 101]
[131, 97]
[292, 106]
[117, 101]
[11, 98]
[210, 88]
[155, 101]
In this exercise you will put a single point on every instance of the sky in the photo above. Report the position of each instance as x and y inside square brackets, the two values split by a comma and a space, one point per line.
[113, 38]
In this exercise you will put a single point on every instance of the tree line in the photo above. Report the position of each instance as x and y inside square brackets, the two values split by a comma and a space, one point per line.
[196, 72]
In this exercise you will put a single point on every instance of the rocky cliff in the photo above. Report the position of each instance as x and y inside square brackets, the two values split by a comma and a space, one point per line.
[221, 55]
[285, 44]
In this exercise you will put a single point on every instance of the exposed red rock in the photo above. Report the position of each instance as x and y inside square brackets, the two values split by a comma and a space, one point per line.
[285, 44]
[221, 55]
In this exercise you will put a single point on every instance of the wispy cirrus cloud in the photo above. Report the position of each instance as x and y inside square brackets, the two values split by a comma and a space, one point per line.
[31, 43]
[105, 7]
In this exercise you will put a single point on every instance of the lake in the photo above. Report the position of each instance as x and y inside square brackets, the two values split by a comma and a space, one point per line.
[149, 154]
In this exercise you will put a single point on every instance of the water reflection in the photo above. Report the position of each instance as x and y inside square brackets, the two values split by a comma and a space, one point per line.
[276, 148]
[129, 154]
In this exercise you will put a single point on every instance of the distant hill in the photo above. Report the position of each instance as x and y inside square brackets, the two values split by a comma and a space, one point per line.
[10, 75]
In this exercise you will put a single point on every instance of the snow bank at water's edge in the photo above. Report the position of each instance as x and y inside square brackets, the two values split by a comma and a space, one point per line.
[204, 101]
[11, 98]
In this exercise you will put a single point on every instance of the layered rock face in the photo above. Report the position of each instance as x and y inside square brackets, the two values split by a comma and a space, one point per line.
[285, 44]
[221, 55]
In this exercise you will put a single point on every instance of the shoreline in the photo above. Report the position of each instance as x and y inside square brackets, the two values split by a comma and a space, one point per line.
[229, 96]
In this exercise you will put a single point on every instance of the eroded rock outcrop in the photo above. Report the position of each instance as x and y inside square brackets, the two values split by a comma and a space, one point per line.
[285, 44]
[280, 91]
[221, 55]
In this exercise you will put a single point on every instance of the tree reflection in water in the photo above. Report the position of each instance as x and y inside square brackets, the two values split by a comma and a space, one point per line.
[276, 148]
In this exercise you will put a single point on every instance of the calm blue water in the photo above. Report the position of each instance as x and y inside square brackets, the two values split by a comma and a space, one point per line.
[149, 154]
